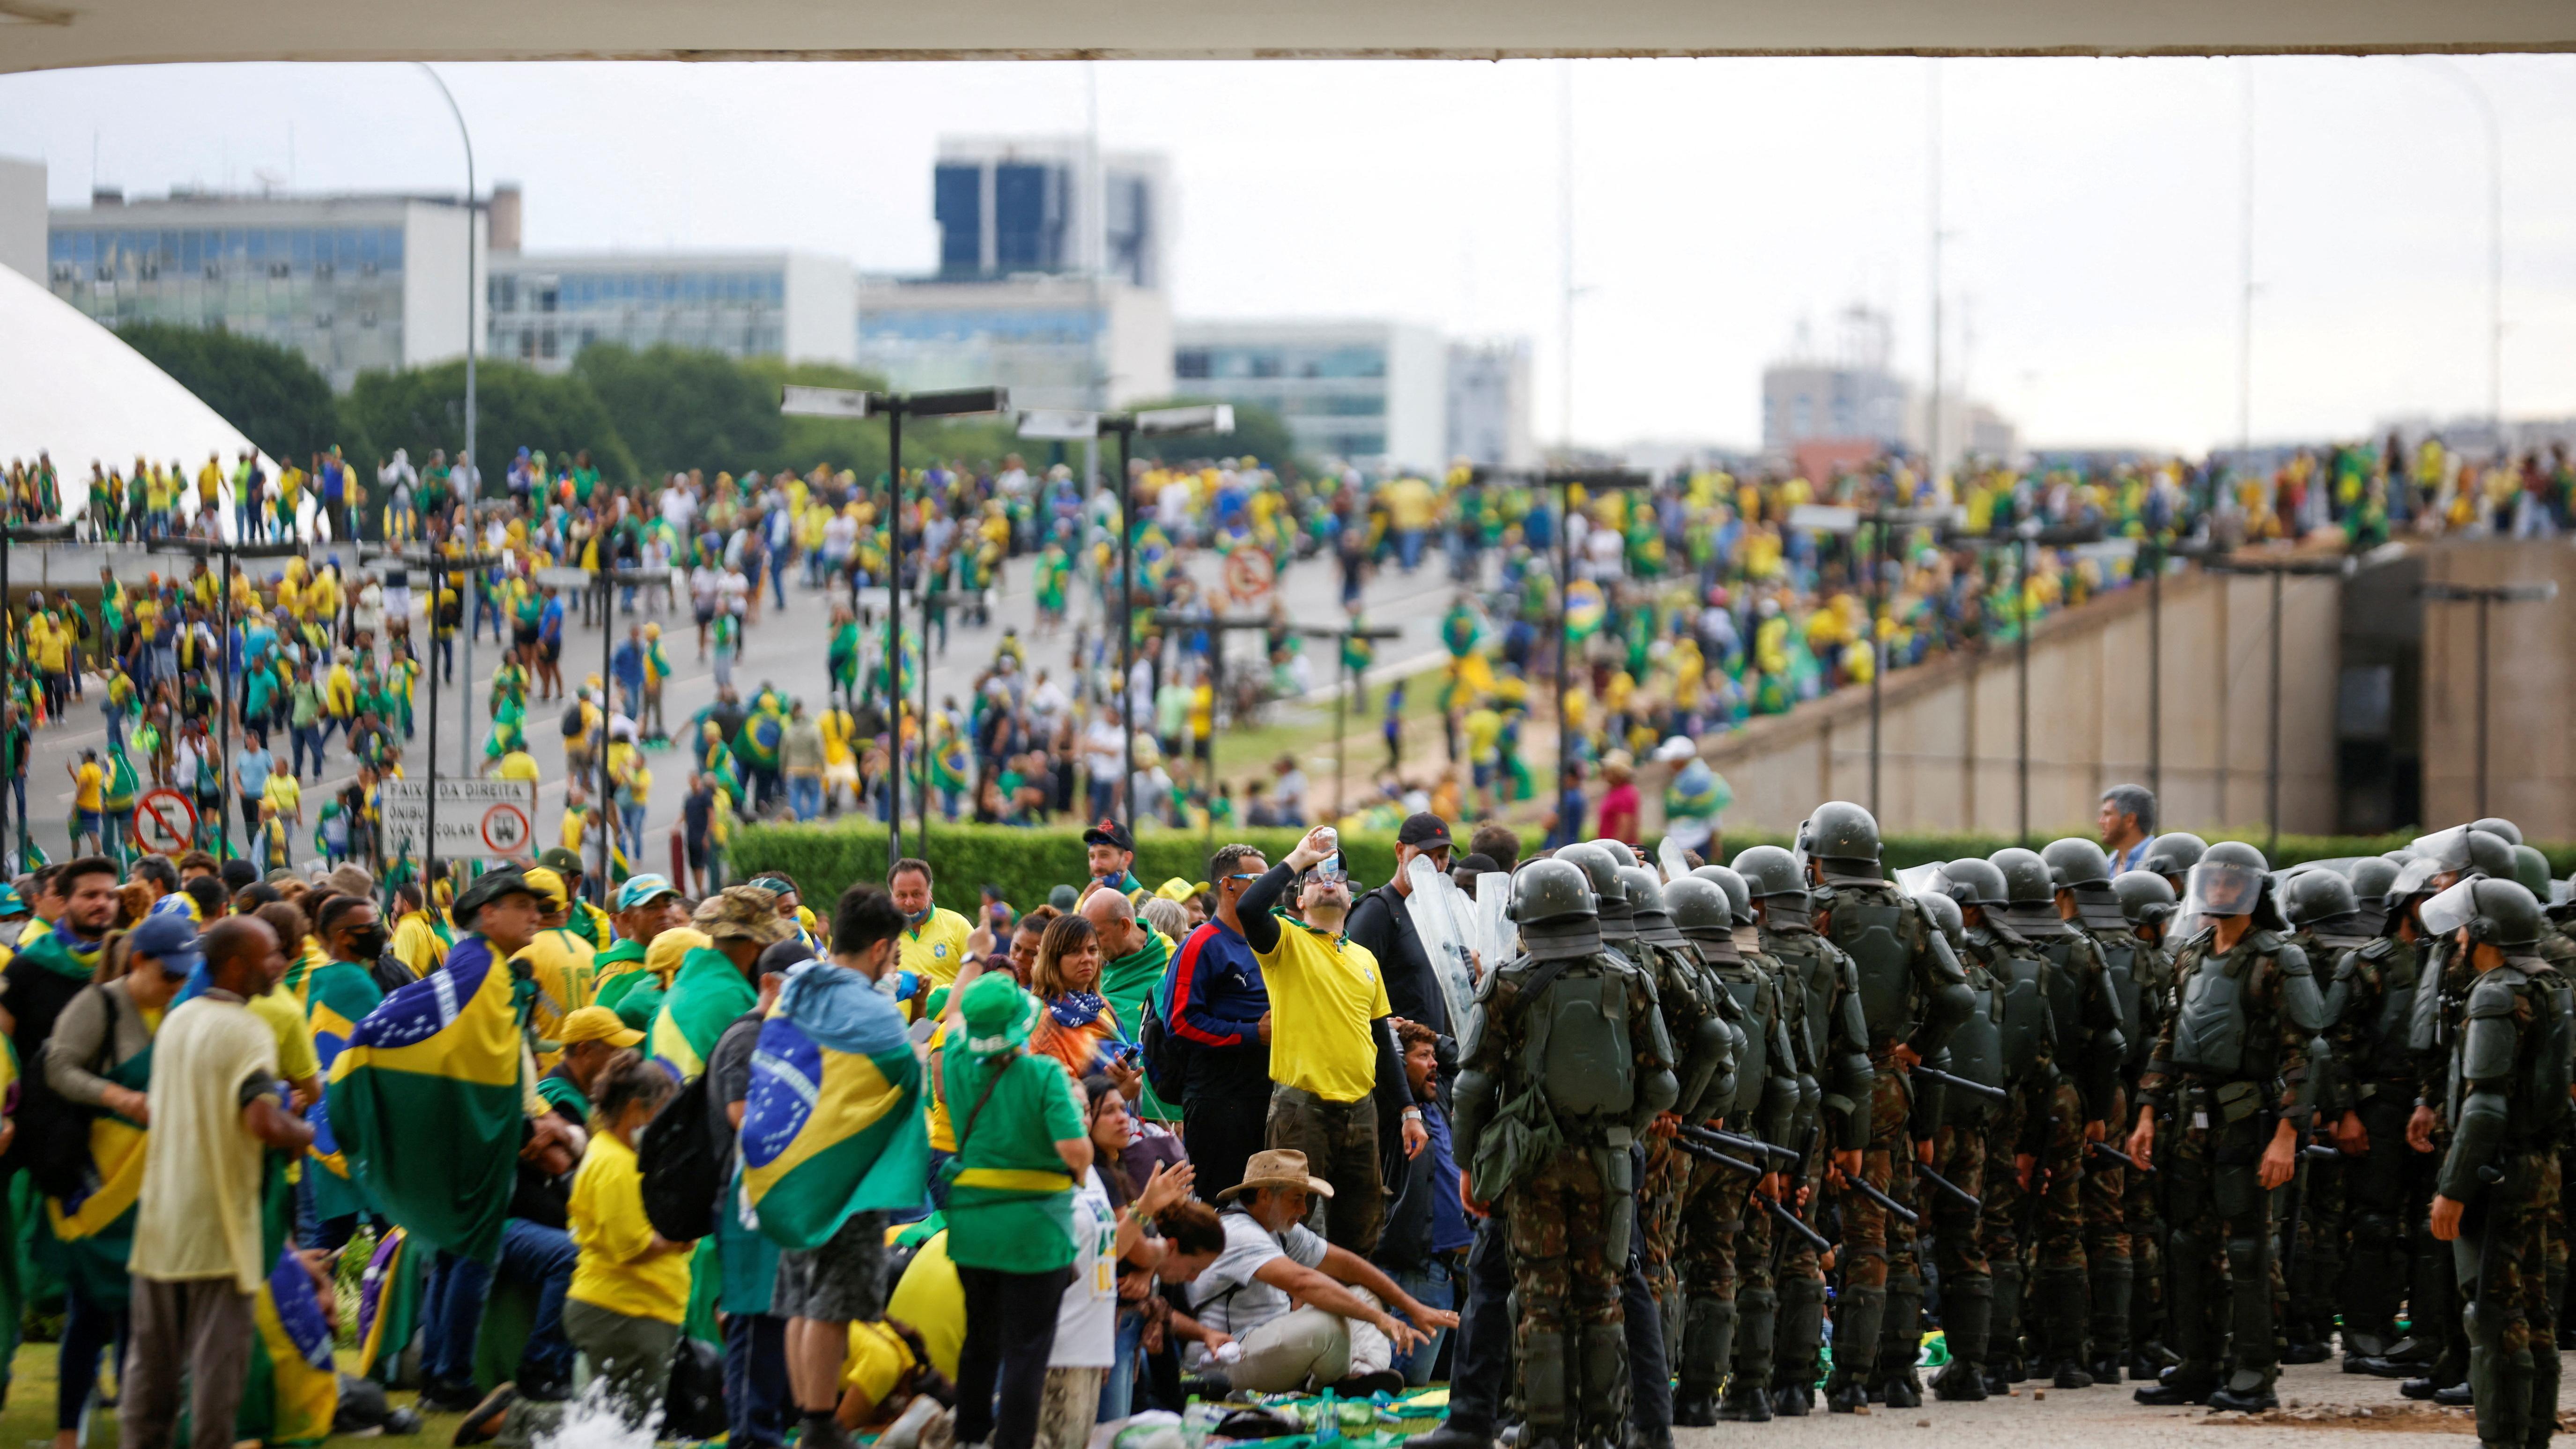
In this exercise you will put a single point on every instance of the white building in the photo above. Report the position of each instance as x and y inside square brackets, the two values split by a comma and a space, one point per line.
[1489, 403]
[1012, 205]
[356, 283]
[22, 217]
[1054, 341]
[1373, 394]
[546, 307]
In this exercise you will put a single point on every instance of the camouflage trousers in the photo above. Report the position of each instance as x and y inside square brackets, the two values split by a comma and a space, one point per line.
[2061, 1160]
[1959, 1155]
[1726, 1240]
[1999, 1233]
[2502, 1256]
[2221, 1271]
[2313, 1269]
[1871, 1254]
[1661, 1199]
[2105, 1193]
[1569, 1221]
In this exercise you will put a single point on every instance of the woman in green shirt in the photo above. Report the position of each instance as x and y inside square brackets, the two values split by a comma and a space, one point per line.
[1021, 1147]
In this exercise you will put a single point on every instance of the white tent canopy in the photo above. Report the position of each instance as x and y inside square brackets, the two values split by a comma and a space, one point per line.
[71, 388]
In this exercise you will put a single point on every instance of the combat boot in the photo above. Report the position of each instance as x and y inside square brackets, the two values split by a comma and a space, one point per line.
[1748, 1400]
[1708, 1346]
[2112, 1286]
[1857, 1320]
[1901, 1345]
[1455, 1435]
[2248, 1391]
[1793, 1401]
[2186, 1383]
[1967, 1309]
[2062, 1302]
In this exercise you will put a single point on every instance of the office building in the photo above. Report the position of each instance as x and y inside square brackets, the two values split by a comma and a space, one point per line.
[1845, 395]
[546, 307]
[22, 217]
[356, 283]
[1054, 341]
[1013, 205]
[1371, 394]
[1489, 403]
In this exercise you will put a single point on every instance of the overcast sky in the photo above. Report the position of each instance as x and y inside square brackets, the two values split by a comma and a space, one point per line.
[2092, 207]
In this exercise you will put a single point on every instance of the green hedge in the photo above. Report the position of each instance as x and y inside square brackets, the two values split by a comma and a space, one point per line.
[1026, 864]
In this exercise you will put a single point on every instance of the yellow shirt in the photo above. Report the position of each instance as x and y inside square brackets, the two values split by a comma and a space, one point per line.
[560, 964]
[416, 944]
[838, 728]
[518, 765]
[283, 792]
[877, 1361]
[938, 948]
[1324, 992]
[619, 1268]
[943, 1133]
[296, 1058]
[87, 788]
[929, 1298]
[573, 820]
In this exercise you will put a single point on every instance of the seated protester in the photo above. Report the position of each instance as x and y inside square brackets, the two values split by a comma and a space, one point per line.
[1099, 1306]
[1427, 1232]
[1340, 1337]
[647, 905]
[631, 1287]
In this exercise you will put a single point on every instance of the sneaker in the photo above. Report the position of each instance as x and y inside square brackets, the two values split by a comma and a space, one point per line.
[445, 1398]
[483, 1421]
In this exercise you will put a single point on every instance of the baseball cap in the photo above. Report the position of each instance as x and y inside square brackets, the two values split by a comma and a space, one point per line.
[595, 1023]
[643, 890]
[561, 861]
[170, 939]
[548, 886]
[1106, 831]
[1423, 829]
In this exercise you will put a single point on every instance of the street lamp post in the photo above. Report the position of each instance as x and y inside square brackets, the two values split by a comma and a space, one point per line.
[2485, 597]
[835, 402]
[229, 552]
[437, 565]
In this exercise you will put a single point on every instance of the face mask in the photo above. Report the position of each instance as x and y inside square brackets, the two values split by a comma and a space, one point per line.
[919, 916]
[367, 942]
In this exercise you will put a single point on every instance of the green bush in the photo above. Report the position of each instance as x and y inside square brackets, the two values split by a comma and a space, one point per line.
[1024, 864]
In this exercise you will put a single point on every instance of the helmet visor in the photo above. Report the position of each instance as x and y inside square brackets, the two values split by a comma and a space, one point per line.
[2448, 850]
[2414, 878]
[1923, 880]
[2451, 910]
[2225, 890]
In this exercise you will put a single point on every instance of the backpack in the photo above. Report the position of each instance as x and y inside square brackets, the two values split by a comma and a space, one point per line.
[1164, 1053]
[683, 1177]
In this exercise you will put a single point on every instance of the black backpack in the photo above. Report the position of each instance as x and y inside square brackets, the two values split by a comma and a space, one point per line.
[1165, 1054]
[683, 1176]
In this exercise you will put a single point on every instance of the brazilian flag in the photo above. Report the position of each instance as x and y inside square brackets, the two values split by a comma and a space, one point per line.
[706, 994]
[293, 1390]
[424, 1101]
[762, 736]
[833, 1123]
[338, 996]
[388, 1307]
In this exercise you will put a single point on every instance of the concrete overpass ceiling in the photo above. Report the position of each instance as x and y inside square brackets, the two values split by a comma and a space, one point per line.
[48, 34]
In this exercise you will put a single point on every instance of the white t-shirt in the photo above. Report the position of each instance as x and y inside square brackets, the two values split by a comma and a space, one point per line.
[1086, 1323]
[1227, 1297]
[1104, 748]
[706, 588]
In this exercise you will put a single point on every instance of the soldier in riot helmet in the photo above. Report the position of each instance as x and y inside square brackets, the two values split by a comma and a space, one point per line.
[1913, 995]
[1837, 1042]
[1724, 1254]
[2229, 1074]
[2325, 922]
[2018, 1006]
[2081, 874]
[2370, 1003]
[1975, 1053]
[2172, 855]
[2507, 1104]
[1564, 1064]
[2147, 903]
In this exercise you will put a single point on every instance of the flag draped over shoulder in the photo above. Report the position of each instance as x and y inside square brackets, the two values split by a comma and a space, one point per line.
[832, 1124]
[388, 1307]
[293, 1389]
[1128, 983]
[340, 995]
[707, 993]
[424, 1101]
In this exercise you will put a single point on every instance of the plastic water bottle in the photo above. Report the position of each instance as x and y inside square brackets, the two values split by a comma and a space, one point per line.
[1328, 1420]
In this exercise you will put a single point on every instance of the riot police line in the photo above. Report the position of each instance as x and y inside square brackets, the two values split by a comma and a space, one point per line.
[2180, 1124]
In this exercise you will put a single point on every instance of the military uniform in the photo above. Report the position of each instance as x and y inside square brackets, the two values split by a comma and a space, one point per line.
[1726, 1248]
[1565, 1063]
[1822, 989]
[2507, 1105]
[1975, 1054]
[2390, 1186]
[2146, 903]
[2019, 1008]
[1912, 993]
[2322, 907]
[2228, 1069]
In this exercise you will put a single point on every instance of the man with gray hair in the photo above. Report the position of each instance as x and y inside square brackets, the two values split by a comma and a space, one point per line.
[2128, 821]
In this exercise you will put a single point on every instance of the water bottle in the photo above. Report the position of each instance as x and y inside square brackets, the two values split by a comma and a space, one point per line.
[1328, 1420]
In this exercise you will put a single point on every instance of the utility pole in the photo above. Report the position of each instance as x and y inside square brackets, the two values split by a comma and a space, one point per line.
[1932, 455]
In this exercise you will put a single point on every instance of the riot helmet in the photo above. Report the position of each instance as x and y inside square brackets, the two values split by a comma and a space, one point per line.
[2075, 862]
[1621, 851]
[1645, 893]
[2498, 825]
[1843, 836]
[2531, 871]
[2146, 898]
[2026, 878]
[1551, 890]
[2173, 853]
[1699, 906]
[1739, 896]
[2497, 913]
[2372, 876]
[1599, 868]
[1944, 913]
[2317, 898]
[2229, 880]
[2464, 848]
[1769, 871]
[1975, 882]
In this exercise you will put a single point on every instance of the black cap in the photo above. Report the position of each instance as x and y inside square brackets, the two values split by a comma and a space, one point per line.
[1106, 831]
[779, 959]
[1424, 829]
[1476, 864]
[486, 888]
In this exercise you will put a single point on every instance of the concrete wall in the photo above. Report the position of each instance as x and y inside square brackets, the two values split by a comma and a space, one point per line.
[2531, 757]
[22, 217]
[1949, 757]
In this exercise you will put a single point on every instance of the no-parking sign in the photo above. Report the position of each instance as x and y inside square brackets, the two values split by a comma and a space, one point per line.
[165, 822]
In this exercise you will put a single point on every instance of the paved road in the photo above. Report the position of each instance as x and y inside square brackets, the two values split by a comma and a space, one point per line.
[786, 649]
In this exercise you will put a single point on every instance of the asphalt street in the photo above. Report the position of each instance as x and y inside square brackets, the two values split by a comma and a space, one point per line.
[783, 648]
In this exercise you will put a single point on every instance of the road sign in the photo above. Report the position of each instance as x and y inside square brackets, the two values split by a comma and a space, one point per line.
[477, 819]
[1065, 423]
[1249, 573]
[564, 578]
[825, 402]
[165, 822]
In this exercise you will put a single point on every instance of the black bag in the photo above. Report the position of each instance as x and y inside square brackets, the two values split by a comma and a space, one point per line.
[682, 1175]
[694, 1405]
[1165, 1055]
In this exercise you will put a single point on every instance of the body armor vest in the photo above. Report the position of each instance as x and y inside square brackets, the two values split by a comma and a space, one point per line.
[2386, 1054]
[2021, 1020]
[1811, 972]
[2213, 1028]
[2121, 953]
[1578, 1049]
[1976, 1052]
[1691, 1013]
[1878, 930]
[1757, 1006]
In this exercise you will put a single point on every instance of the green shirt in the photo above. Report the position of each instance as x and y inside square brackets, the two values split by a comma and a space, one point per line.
[1010, 1201]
